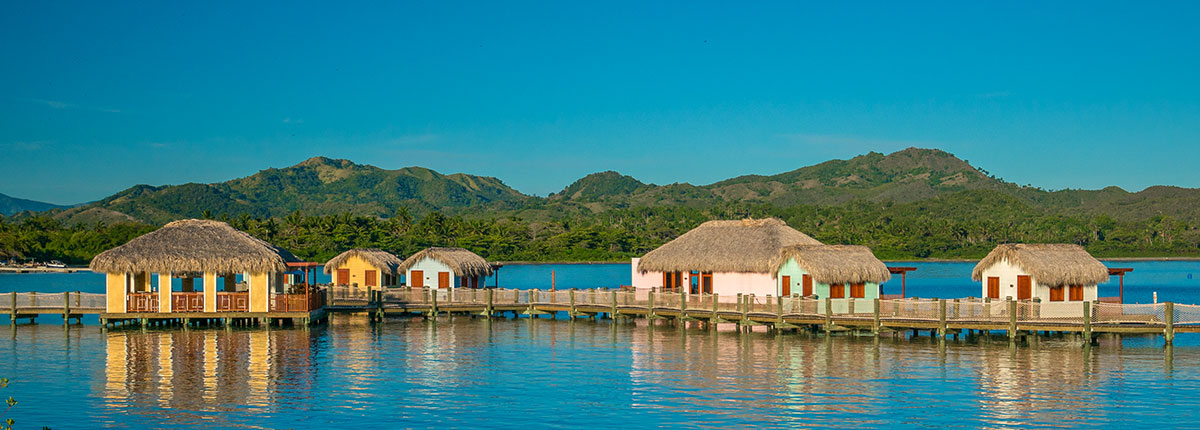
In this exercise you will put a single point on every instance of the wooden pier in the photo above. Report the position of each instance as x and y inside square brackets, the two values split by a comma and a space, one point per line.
[940, 318]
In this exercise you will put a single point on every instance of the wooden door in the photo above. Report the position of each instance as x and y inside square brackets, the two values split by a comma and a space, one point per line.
[806, 286]
[1024, 287]
[706, 282]
[418, 278]
[343, 277]
[993, 287]
[787, 286]
[443, 279]
[372, 278]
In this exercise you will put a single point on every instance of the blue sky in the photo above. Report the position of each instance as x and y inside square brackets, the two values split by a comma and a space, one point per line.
[96, 97]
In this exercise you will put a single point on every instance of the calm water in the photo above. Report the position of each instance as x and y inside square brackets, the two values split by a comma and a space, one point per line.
[543, 373]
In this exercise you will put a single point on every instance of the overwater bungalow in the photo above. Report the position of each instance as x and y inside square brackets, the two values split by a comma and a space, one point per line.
[202, 269]
[446, 268]
[364, 269]
[1049, 272]
[839, 272]
[726, 257]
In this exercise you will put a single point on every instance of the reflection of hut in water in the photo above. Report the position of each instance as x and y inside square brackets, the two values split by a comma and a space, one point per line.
[837, 272]
[1050, 272]
[364, 269]
[726, 257]
[209, 251]
[446, 268]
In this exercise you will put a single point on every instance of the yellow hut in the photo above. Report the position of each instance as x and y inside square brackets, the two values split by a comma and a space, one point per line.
[219, 269]
[364, 269]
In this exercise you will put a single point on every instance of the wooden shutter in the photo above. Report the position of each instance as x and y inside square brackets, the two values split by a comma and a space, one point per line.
[1077, 293]
[1056, 294]
[837, 291]
[858, 290]
[1024, 287]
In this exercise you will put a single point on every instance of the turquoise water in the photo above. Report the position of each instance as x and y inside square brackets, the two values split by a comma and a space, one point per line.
[469, 372]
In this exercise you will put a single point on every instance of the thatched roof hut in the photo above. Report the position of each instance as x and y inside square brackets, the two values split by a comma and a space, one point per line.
[835, 264]
[1051, 264]
[194, 245]
[385, 261]
[744, 246]
[461, 261]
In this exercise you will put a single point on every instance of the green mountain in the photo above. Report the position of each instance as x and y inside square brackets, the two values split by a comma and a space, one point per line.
[317, 186]
[12, 205]
[599, 186]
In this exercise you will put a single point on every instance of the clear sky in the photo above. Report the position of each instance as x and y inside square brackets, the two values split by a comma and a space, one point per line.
[99, 96]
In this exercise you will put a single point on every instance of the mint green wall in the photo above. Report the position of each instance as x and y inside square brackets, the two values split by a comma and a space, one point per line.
[821, 290]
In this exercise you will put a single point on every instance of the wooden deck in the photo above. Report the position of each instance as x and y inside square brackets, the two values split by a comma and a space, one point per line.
[938, 317]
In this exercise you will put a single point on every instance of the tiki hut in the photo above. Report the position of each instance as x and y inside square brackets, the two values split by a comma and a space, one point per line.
[365, 268]
[831, 271]
[188, 249]
[1050, 272]
[453, 267]
[724, 256]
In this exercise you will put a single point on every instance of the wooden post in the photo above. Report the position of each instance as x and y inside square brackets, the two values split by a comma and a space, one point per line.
[714, 309]
[433, 310]
[875, 323]
[1012, 319]
[613, 314]
[987, 308]
[942, 318]
[572, 294]
[533, 296]
[828, 314]
[1169, 315]
[488, 295]
[682, 305]
[13, 316]
[651, 305]
[66, 308]
[779, 308]
[1087, 322]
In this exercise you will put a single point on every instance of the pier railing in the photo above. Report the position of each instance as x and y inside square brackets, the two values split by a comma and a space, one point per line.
[1027, 313]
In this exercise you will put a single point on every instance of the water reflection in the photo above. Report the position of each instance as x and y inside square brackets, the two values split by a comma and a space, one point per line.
[466, 371]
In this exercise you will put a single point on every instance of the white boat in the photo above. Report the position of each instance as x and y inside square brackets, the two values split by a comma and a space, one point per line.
[55, 264]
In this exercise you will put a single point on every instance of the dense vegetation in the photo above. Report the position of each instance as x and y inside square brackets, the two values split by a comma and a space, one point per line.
[966, 224]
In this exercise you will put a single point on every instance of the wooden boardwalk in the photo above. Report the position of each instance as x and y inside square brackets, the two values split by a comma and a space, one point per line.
[939, 317]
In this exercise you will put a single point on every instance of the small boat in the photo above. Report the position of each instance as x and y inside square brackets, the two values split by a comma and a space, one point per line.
[55, 264]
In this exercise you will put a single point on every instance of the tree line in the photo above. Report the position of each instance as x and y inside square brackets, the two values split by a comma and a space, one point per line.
[963, 225]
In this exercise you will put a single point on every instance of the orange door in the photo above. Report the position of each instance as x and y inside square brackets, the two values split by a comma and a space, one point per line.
[787, 286]
[993, 287]
[706, 283]
[443, 279]
[1024, 287]
[418, 279]
[343, 277]
[806, 286]
[372, 279]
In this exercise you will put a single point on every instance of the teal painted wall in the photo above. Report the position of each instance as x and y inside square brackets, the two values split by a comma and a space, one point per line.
[866, 304]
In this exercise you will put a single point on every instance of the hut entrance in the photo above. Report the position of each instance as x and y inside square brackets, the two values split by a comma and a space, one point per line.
[699, 282]
[1024, 287]
[443, 280]
[418, 278]
[372, 278]
[806, 286]
[993, 287]
[343, 277]
[787, 286]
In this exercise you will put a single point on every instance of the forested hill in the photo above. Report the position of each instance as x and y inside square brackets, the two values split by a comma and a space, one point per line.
[10, 205]
[915, 203]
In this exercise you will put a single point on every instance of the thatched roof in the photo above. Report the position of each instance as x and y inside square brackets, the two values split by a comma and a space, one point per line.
[744, 246]
[835, 264]
[1050, 264]
[385, 261]
[194, 245]
[461, 261]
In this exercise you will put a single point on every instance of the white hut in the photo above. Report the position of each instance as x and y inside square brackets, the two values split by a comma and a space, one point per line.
[1050, 272]
[445, 268]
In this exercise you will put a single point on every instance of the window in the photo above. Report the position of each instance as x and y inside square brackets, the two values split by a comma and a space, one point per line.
[672, 281]
[858, 290]
[837, 291]
[1056, 294]
[1076, 293]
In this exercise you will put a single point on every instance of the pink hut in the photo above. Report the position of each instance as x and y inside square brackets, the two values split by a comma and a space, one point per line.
[726, 257]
